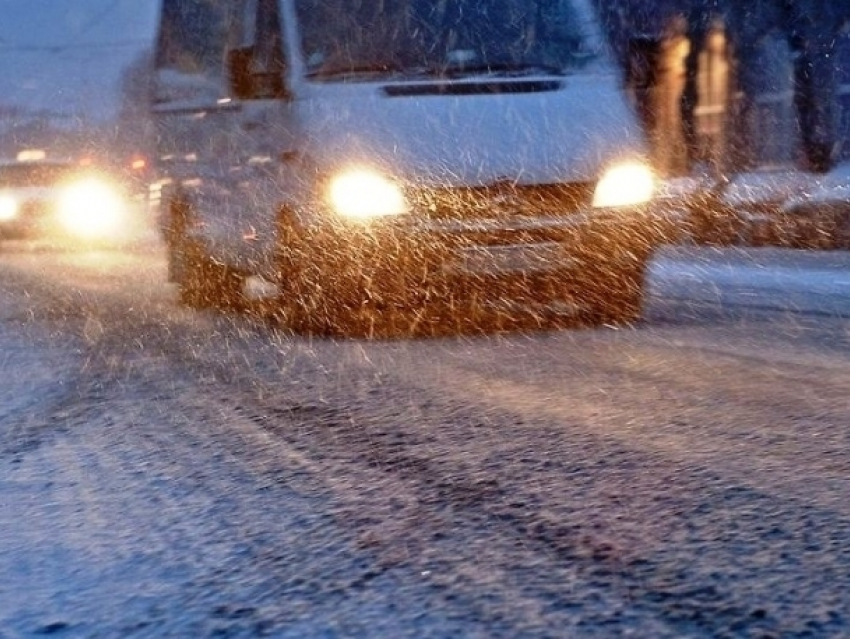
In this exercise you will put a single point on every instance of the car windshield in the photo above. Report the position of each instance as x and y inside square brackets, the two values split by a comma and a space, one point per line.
[22, 175]
[344, 37]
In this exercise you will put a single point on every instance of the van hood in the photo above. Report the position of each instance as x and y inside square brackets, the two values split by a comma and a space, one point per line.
[475, 131]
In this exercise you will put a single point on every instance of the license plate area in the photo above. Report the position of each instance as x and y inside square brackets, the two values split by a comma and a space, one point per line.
[512, 258]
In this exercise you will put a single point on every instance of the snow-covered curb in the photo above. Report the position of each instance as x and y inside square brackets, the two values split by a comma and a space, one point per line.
[770, 207]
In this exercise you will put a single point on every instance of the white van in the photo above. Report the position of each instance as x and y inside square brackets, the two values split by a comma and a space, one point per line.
[368, 156]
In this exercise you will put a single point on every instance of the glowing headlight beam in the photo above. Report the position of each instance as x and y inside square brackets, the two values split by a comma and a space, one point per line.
[90, 209]
[8, 207]
[626, 184]
[362, 194]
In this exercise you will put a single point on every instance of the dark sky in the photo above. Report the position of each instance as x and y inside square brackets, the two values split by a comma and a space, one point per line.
[67, 55]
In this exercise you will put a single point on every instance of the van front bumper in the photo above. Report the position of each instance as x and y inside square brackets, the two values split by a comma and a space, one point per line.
[549, 262]
[495, 247]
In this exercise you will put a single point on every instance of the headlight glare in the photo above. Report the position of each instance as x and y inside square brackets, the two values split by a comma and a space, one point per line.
[90, 208]
[626, 184]
[363, 194]
[8, 207]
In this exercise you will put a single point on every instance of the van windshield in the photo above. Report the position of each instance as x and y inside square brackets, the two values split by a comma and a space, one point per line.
[447, 37]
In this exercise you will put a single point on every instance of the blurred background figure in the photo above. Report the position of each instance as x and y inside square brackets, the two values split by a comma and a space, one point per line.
[702, 19]
[639, 31]
[731, 85]
[807, 29]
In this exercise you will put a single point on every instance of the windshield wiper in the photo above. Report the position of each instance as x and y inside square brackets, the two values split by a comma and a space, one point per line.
[378, 69]
[500, 69]
[327, 71]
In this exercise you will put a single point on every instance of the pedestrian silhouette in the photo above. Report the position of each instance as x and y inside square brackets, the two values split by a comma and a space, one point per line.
[809, 28]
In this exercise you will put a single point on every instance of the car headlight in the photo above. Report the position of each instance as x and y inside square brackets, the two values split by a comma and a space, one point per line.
[8, 207]
[626, 184]
[90, 208]
[363, 194]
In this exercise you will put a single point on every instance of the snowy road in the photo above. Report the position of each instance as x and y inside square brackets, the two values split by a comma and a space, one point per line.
[165, 472]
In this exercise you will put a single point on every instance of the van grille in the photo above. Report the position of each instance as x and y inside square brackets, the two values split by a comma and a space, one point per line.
[502, 201]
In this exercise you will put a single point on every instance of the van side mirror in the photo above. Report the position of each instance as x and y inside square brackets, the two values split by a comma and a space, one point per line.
[239, 72]
[248, 83]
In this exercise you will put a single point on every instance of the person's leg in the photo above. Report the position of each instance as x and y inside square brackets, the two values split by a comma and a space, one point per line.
[697, 33]
[742, 125]
[748, 24]
[811, 31]
[642, 78]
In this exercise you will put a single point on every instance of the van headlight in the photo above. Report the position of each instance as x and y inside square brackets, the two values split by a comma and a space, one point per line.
[363, 194]
[8, 207]
[90, 208]
[626, 184]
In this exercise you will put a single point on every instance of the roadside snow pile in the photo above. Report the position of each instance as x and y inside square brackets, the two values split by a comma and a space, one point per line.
[832, 188]
[769, 207]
